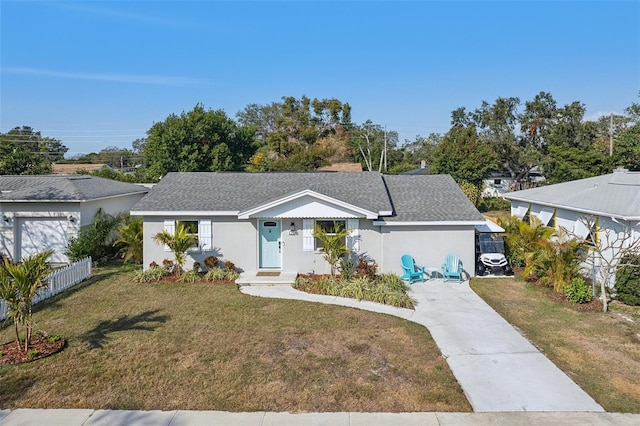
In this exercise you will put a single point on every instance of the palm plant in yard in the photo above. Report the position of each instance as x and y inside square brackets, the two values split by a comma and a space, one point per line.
[333, 243]
[179, 242]
[19, 284]
[130, 238]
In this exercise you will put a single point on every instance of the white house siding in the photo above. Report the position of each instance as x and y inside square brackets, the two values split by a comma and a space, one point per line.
[232, 240]
[112, 206]
[20, 214]
[429, 245]
[295, 258]
[609, 233]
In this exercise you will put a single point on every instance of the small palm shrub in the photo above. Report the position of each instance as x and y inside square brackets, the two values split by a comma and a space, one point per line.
[153, 274]
[578, 291]
[347, 268]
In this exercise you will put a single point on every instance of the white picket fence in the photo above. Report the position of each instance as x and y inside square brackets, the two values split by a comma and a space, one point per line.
[58, 281]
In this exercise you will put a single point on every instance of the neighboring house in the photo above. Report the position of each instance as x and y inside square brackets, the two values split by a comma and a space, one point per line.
[265, 221]
[70, 169]
[610, 204]
[499, 183]
[40, 213]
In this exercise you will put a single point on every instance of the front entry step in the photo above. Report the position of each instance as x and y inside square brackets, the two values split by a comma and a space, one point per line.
[267, 278]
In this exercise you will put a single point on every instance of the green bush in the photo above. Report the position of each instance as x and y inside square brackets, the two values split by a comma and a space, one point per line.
[231, 274]
[493, 204]
[387, 289]
[347, 268]
[153, 274]
[191, 276]
[215, 274]
[95, 240]
[578, 291]
[628, 280]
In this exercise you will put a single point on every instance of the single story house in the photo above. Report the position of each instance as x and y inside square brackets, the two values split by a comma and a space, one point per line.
[602, 209]
[265, 221]
[40, 213]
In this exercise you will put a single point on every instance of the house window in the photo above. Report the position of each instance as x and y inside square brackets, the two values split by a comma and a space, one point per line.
[191, 227]
[330, 227]
[200, 230]
[352, 240]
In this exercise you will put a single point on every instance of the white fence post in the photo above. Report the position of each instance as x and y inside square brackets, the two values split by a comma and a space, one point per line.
[58, 281]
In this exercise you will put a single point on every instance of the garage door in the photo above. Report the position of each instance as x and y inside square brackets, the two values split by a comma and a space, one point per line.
[40, 234]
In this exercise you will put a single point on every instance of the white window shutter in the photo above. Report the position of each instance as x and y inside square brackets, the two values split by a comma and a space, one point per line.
[169, 227]
[205, 235]
[353, 239]
[308, 241]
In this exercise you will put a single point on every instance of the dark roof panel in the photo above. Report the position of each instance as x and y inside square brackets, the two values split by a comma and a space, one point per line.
[63, 188]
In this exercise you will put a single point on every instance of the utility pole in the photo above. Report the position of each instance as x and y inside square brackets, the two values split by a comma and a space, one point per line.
[611, 135]
[385, 147]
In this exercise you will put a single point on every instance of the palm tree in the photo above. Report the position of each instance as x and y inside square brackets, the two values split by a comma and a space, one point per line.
[130, 237]
[333, 244]
[19, 284]
[179, 242]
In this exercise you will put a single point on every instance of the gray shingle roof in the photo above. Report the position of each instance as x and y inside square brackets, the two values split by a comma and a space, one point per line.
[616, 194]
[415, 198]
[429, 198]
[193, 191]
[63, 188]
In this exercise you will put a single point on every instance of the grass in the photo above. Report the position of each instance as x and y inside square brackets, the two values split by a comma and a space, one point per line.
[207, 346]
[599, 351]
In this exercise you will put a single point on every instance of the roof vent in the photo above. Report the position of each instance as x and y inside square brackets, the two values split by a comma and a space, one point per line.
[620, 170]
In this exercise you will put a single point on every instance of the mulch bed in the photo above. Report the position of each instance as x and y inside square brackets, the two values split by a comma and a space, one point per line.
[594, 306]
[39, 347]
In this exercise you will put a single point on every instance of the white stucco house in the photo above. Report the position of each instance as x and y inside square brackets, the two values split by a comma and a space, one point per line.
[40, 213]
[609, 205]
[265, 221]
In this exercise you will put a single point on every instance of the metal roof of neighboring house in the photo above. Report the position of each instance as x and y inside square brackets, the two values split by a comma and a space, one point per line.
[415, 198]
[616, 194]
[68, 169]
[63, 188]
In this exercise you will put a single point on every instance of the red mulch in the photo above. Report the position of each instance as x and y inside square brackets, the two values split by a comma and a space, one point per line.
[40, 343]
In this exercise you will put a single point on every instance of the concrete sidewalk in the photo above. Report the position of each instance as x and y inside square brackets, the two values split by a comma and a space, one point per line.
[212, 418]
[498, 369]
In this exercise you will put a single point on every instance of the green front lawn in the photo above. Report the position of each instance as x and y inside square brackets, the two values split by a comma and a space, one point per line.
[208, 347]
[599, 351]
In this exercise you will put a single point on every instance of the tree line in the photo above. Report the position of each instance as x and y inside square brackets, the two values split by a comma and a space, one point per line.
[303, 134]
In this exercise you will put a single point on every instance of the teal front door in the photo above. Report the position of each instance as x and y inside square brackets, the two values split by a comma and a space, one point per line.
[270, 244]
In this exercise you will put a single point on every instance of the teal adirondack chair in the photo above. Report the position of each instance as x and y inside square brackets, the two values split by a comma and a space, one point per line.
[452, 268]
[412, 271]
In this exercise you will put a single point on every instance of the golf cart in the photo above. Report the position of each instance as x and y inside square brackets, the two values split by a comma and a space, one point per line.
[490, 254]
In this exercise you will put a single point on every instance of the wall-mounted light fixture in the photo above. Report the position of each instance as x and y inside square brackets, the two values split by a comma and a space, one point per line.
[292, 228]
[72, 219]
[6, 219]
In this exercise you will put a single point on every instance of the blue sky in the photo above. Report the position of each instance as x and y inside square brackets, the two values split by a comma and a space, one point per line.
[98, 74]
